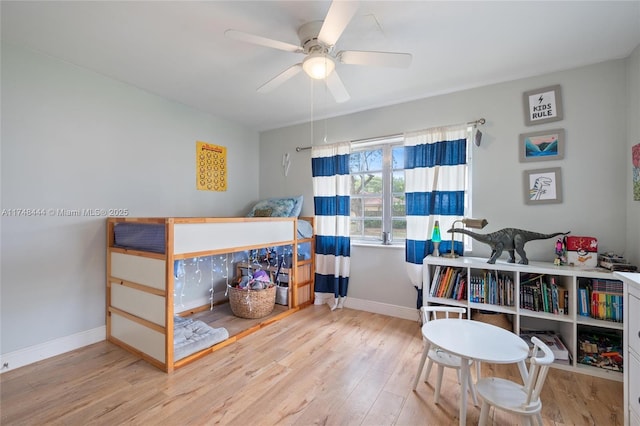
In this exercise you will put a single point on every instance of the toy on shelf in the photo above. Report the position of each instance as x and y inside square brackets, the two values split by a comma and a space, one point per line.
[511, 240]
[613, 262]
[561, 252]
[600, 349]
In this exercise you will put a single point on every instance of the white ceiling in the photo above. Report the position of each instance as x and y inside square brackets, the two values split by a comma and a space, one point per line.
[178, 50]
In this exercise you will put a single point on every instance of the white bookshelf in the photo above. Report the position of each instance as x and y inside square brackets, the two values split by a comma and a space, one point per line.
[568, 326]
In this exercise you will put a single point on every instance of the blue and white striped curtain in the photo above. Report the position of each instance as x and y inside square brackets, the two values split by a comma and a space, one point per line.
[435, 184]
[331, 201]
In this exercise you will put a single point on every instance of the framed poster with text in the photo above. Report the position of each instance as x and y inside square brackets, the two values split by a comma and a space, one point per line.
[542, 105]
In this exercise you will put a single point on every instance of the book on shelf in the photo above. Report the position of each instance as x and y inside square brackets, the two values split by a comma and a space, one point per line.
[434, 280]
[555, 303]
[601, 299]
[494, 289]
[477, 289]
[545, 294]
[552, 340]
[541, 293]
[462, 289]
[448, 282]
[583, 304]
[459, 288]
[443, 281]
[607, 300]
[563, 301]
[451, 283]
[607, 286]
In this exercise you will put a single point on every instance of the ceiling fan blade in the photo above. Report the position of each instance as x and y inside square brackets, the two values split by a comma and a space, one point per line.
[263, 41]
[336, 87]
[380, 59]
[280, 78]
[337, 19]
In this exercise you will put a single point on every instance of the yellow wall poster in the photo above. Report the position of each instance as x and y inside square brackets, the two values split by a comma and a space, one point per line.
[211, 167]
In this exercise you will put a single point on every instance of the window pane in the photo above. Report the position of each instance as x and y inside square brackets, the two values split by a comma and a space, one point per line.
[398, 182]
[373, 160]
[398, 157]
[373, 228]
[373, 207]
[373, 183]
[356, 184]
[355, 161]
[399, 229]
[357, 228]
[356, 207]
[398, 208]
[364, 161]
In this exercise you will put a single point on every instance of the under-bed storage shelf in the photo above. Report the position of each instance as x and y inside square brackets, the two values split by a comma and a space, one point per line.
[143, 278]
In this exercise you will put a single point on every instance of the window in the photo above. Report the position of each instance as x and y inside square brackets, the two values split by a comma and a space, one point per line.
[377, 175]
[377, 190]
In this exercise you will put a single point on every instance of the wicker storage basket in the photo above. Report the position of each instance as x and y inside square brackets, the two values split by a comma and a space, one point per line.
[252, 303]
[494, 318]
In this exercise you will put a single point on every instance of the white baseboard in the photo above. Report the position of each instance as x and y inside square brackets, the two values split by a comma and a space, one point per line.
[382, 308]
[26, 356]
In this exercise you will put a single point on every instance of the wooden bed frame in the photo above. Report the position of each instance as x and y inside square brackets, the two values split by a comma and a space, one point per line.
[140, 284]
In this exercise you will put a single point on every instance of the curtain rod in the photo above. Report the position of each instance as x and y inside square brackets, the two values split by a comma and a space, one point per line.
[474, 122]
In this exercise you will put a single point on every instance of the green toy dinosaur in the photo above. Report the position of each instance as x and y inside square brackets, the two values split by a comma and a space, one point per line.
[509, 239]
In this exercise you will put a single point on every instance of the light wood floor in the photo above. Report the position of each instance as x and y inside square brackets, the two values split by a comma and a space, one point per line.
[345, 367]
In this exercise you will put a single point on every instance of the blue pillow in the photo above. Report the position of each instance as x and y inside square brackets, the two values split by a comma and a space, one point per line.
[280, 207]
[297, 208]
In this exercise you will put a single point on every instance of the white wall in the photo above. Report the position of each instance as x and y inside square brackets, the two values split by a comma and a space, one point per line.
[594, 170]
[633, 129]
[73, 139]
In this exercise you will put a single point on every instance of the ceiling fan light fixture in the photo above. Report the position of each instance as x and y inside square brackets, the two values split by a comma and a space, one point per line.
[318, 65]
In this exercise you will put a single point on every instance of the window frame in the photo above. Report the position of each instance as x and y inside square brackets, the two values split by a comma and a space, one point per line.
[387, 144]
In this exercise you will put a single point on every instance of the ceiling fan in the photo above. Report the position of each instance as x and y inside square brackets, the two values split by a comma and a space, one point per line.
[317, 42]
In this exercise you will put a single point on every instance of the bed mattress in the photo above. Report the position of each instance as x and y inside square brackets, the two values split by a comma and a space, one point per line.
[151, 237]
[191, 336]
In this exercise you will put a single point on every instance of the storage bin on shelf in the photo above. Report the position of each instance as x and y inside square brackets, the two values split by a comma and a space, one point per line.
[254, 295]
[494, 318]
[251, 304]
[582, 251]
[282, 295]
